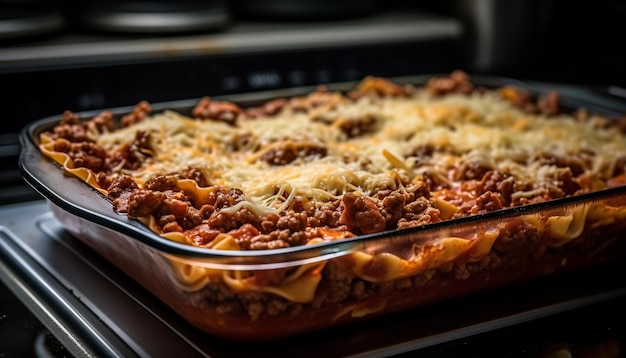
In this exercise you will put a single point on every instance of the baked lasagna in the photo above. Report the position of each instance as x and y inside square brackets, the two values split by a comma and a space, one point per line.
[329, 165]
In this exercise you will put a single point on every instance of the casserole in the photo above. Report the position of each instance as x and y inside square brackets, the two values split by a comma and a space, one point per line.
[464, 239]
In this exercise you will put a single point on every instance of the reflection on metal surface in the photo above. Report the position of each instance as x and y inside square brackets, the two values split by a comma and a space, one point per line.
[243, 38]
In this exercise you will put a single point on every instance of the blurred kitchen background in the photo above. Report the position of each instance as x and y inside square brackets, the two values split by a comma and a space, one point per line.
[86, 55]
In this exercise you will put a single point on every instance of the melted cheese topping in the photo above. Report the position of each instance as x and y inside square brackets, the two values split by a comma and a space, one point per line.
[479, 128]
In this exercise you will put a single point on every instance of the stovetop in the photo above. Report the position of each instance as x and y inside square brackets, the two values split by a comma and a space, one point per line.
[93, 309]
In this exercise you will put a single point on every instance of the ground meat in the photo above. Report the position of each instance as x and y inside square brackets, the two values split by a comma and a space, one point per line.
[328, 214]
[272, 231]
[518, 98]
[210, 213]
[361, 214]
[244, 234]
[267, 109]
[88, 155]
[70, 128]
[245, 216]
[268, 223]
[222, 221]
[393, 206]
[516, 235]
[208, 108]
[199, 175]
[549, 104]
[121, 184]
[426, 150]
[69, 118]
[565, 181]
[336, 286]
[277, 239]
[355, 126]
[177, 204]
[102, 123]
[487, 202]
[576, 164]
[618, 167]
[419, 212]
[376, 86]
[436, 180]
[140, 112]
[496, 182]
[223, 198]
[321, 97]
[168, 223]
[200, 235]
[162, 183]
[103, 179]
[471, 170]
[62, 145]
[143, 203]
[293, 221]
[119, 190]
[172, 209]
[286, 152]
[620, 123]
[133, 155]
[458, 81]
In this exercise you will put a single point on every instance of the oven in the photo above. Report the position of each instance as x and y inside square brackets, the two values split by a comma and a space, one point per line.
[58, 298]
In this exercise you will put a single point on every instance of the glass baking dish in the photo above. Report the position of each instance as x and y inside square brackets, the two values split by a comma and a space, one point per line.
[374, 274]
